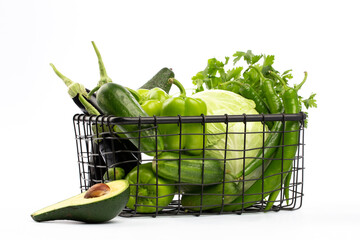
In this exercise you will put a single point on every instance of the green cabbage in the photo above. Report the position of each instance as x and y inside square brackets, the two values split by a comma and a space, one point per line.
[220, 102]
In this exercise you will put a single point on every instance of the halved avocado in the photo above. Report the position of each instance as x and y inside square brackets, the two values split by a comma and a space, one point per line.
[101, 203]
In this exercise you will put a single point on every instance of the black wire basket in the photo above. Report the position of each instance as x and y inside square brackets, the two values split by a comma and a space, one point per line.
[190, 187]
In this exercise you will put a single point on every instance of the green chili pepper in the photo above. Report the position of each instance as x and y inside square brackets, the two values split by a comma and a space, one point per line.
[273, 100]
[248, 92]
[276, 106]
[269, 149]
[271, 200]
[272, 175]
[292, 105]
[271, 97]
[287, 186]
[277, 170]
[290, 138]
[191, 136]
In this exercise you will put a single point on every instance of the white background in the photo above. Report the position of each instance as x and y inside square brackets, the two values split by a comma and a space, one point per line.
[38, 160]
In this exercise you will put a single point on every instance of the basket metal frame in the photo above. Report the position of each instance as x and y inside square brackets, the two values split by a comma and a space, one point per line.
[86, 136]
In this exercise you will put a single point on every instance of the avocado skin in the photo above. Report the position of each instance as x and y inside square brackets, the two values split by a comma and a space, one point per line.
[94, 212]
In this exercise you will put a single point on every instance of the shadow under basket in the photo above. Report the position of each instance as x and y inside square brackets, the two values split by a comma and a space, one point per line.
[196, 165]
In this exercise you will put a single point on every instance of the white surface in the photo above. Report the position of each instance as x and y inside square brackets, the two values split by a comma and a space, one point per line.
[38, 161]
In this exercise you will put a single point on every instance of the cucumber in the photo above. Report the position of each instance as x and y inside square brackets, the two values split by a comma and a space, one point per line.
[114, 99]
[160, 80]
[191, 168]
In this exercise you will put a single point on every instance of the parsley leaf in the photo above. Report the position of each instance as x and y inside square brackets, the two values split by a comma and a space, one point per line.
[234, 74]
[238, 55]
[310, 102]
[267, 65]
[249, 57]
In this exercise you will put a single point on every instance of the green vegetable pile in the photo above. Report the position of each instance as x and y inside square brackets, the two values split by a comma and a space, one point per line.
[212, 171]
[255, 81]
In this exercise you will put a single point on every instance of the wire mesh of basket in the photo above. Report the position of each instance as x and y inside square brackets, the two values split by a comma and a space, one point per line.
[171, 181]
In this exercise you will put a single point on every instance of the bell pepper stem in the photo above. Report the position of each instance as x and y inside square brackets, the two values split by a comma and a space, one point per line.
[104, 78]
[179, 85]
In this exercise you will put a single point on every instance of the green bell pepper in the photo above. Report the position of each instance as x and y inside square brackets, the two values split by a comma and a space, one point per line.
[148, 192]
[192, 138]
[152, 100]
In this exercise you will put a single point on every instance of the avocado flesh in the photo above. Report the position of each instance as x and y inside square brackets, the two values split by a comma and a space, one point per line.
[92, 210]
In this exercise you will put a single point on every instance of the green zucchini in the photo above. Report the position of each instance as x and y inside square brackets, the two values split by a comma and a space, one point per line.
[167, 166]
[212, 196]
[114, 99]
[160, 80]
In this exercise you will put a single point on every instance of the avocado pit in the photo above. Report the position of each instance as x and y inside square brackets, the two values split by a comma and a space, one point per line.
[97, 190]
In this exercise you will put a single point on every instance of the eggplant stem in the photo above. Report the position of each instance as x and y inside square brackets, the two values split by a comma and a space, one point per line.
[66, 80]
[74, 89]
[89, 108]
[104, 78]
